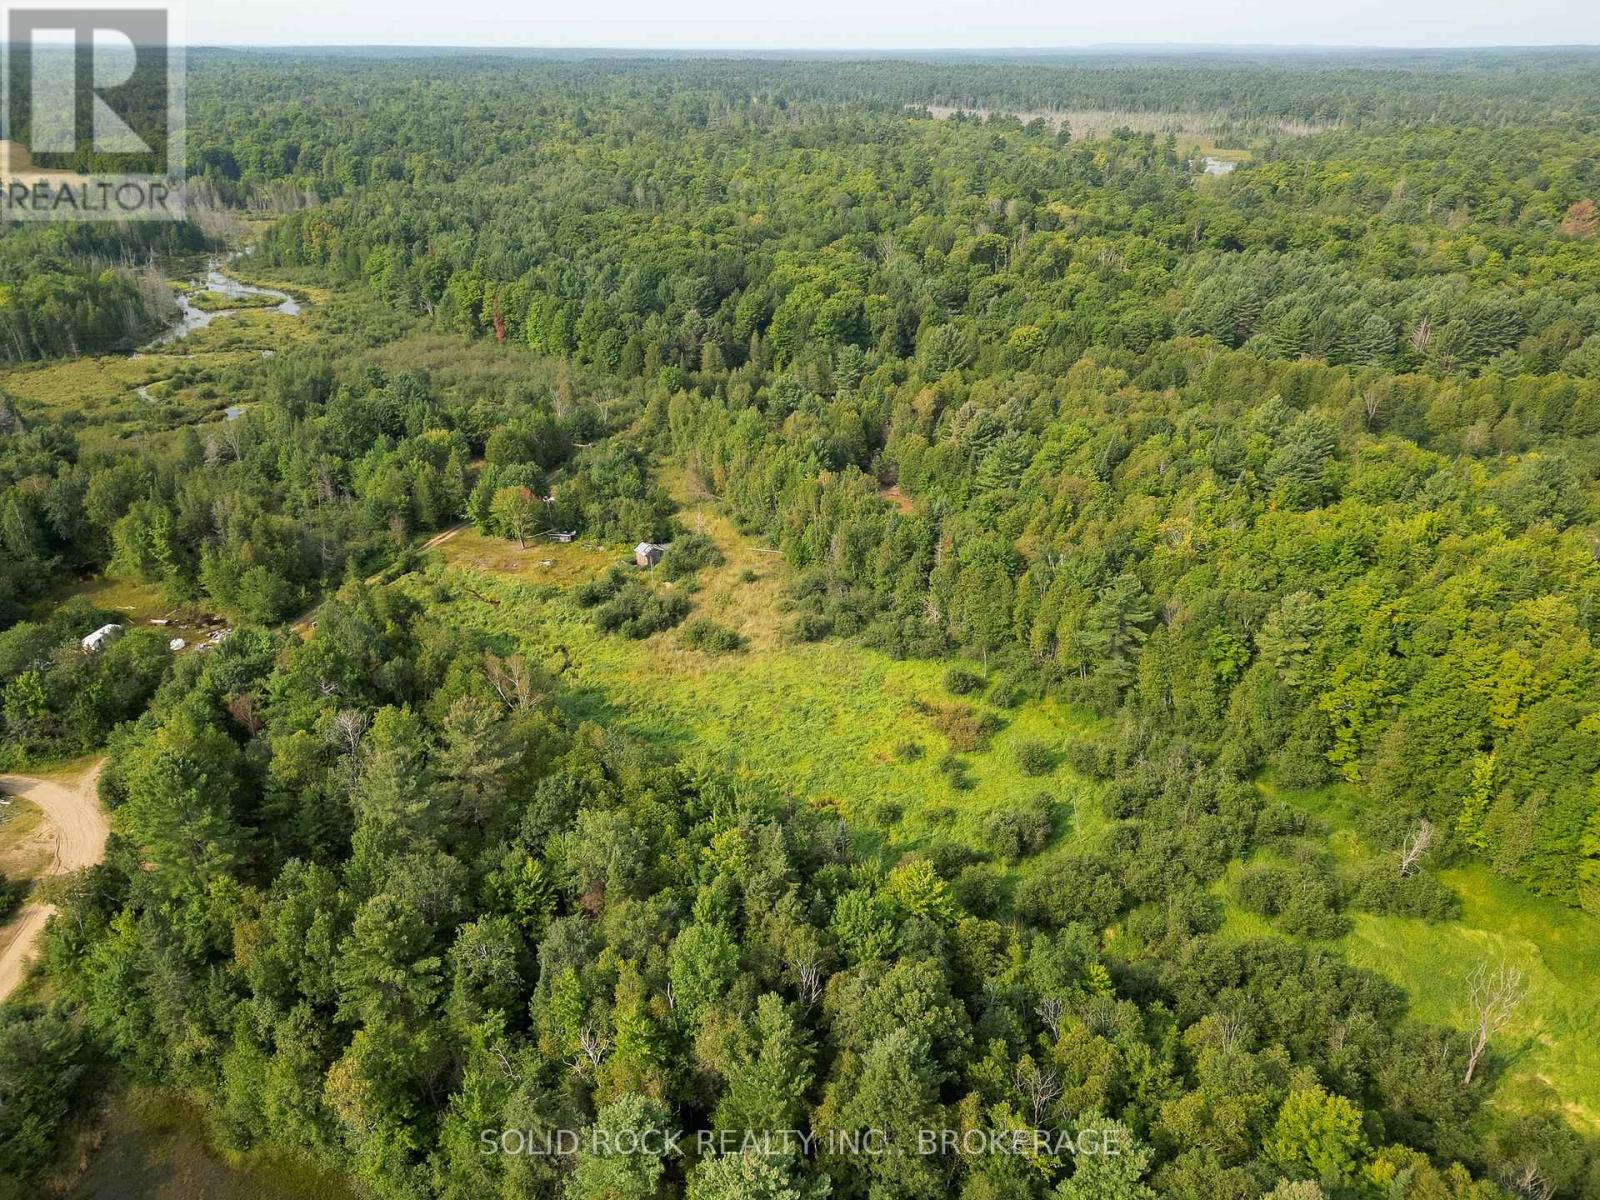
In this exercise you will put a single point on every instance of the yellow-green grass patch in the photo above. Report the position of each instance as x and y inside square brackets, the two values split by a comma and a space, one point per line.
[1553, 1041]
[841, 725]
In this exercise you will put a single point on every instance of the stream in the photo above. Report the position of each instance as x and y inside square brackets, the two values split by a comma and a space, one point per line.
[191, 318]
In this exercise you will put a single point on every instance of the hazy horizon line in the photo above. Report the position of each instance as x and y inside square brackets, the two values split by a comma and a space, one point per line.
[1090, 47]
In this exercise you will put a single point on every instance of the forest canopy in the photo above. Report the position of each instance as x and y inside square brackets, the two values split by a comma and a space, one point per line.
[1279, 480]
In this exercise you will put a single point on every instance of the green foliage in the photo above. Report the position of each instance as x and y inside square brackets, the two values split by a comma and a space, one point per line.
[690, 552]
[1034, 758]
[637, 611]
[1317, 1136]
[1291, 470]
[1303, 897]
[1021, 829]
[627, 1163]
[1111, 1170]
[959, 681]
[42, 1072]
[703, 633]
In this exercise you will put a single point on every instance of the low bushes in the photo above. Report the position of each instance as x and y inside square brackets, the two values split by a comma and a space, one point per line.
[1303, 898]
[1034, 758]
[1021, 829]
[635, 611]
[703, 633]
[959, 681]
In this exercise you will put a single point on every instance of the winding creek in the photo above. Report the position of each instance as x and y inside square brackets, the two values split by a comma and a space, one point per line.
[191, 317]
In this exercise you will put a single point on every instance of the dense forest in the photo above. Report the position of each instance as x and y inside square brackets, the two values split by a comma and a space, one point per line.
[1285, 477]
[78, 289]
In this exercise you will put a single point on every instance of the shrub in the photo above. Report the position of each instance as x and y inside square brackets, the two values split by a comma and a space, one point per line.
[637, 612]
[808, 627]
[908, 751]
[967, 729]
[886, 814]
[1012, 688]
[950, 858]
[980, 889]
[955, 771]
[690, 552]
[702, 633]
[1302, 898]
[959, 681]
[1021, 829]
[1076, 887]
[1089, 757]
[11, 894]
[1034, 758]
[748, 576]
[601, 588]
[1378, 887]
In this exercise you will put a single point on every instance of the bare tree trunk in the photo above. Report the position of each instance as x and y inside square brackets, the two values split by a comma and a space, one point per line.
[1414, 848]
[1494, 994]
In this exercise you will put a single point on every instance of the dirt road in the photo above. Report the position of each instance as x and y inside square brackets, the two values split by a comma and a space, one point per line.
[440, 539]
[73, 813]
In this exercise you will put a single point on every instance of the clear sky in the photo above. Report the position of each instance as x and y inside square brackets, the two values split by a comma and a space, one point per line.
[897, 24]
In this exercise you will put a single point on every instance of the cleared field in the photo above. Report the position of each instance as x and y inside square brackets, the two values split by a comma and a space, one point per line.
[845, 727]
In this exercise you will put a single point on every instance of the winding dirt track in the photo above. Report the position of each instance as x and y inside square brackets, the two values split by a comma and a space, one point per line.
[73, 813]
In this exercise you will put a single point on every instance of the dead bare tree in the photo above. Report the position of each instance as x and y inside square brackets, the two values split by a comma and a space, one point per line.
[1051, 1010]
[1371, 404]
[1528, 1182]
[593, 1047]
[1493, 994]
[349, 726]
[808, 975]
[1414, 848]
[519, 684]
[505, 1066]
[1037, 1086]
[1230, 1030]
[245, 709]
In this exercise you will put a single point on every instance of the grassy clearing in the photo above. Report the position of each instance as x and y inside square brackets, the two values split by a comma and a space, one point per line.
[848, 728]
[1553, 1042]
[138, 604]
